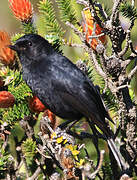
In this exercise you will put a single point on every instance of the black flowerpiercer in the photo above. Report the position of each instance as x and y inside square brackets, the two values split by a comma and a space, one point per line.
[61, 86]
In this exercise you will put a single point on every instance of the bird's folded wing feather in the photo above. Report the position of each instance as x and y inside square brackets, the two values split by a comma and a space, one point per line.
[79, 93]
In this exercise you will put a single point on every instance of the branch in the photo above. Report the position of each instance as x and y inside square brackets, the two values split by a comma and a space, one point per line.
[89, 50]
[126, 45]
[132, 73]
[96, 64]
[76, 31]
[85, 3]
[125, 177]
[98, 20]
[132, 49]
[102, 152]
[96, 36]
[25, 165]
[35, 175]
[73, 44]
[123, 86]
[93, 175]
[133, 3]
[114, 11]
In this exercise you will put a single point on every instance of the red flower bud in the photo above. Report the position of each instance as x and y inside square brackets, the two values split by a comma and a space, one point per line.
[36, 105]
[6, 99]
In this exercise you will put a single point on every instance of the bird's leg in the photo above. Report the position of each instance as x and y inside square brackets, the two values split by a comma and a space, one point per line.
[65, 124]
[95, 137]
[80, 136]
[71, 125]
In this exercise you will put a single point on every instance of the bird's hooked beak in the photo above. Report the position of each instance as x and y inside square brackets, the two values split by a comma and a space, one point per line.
[13, 47]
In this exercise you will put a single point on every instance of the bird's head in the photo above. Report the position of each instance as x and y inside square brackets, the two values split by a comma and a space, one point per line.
[29, 47]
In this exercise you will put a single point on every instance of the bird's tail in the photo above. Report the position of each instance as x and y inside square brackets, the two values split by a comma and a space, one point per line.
[121, 162]
[109, 137]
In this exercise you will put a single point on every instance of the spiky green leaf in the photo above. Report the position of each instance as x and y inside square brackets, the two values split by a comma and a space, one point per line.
[49, 19]
[128, 11]
[67, 11]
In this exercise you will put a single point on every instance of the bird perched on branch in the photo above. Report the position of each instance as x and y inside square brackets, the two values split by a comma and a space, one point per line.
[61, 86]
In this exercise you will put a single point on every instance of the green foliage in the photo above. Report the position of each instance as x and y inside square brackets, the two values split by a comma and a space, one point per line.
[108, 97]
[16, 37]
[95, 77]
[100, 12]
[12, 115]
[29, 150]
[107, 10]
[5, 161]
[128, 11]
[49, 20]
[21, 92]
[29, 28]
[67, 11]
[110, 101]
[107, 172]
[55, 41]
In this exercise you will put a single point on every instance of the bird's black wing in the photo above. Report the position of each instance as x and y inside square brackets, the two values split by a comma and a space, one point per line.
[74, 88]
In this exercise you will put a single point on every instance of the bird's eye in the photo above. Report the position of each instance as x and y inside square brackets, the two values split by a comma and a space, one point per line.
[30, 43]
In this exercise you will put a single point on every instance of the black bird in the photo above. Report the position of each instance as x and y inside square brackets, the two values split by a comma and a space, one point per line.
[61, 86]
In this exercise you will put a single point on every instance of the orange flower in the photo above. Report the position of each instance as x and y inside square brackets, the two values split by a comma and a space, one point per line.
[6, 54]
[89, 27]
[36, 105]
[21, 9]
[6, 99]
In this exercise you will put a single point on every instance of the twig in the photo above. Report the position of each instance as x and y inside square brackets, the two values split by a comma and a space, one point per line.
[133, 3]
[131, 74]
[42, 153]
[76, 31]
[125, 63]
[114, 11]
[132, 49]
[96, 64]
[26, 167]
[52, 152]
[28, 129]
[35, 175]
[47, 123]
[99, 165]
[96, 36]
[86, 170]
[89, 50]
[85, 3]
[73, 44]
[126, 45]
[5, 142]
[98, 20]
[123, 86]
